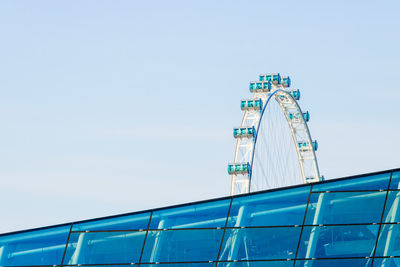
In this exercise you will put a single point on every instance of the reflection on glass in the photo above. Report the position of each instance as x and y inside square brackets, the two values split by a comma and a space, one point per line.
[105, 265]
[119, 240]
[392, 209]
[387, 262]
[186, 264]
[338, 241]
[395, 182]
[182, 245]
[334, 263]
[203, 215]
[104, 247]
[286, 207]
[126, 222]
[38, 247]
[260, 243]
[284, 263]
[370, 182]
[389, 241]
[345, 208]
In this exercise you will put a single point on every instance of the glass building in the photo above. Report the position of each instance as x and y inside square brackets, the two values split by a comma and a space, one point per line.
[351, 221]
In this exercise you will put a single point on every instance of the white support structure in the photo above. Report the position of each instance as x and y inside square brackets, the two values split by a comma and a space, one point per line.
[3, 254]
[244, 151]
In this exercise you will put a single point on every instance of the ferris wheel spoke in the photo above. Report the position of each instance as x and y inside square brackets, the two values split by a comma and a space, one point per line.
[273, 143]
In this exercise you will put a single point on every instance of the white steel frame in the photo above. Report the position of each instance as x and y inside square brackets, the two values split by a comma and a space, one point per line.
[245, 147]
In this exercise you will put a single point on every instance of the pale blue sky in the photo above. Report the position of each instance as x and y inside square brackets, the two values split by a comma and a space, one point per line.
[109, 107]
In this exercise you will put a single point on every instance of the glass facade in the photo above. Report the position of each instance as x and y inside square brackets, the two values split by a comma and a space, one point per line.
[352, 221]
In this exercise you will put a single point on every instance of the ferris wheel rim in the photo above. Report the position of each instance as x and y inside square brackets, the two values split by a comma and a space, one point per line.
[300, 166]
[293, 136]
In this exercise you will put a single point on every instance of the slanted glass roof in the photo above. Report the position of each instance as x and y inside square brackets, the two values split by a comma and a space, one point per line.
[353, 221]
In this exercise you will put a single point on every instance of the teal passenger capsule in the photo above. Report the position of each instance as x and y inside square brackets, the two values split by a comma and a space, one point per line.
[306, 116]
[236, 132]
[252, 86]
[286, 81]
[295, 94]
[231, 168]
[251, 131]
[238, 168]
[251, 104]
[315, 145]
[257, 87]
[258, 104]
[304, 146]
[245, 167]
[243, 104]
[268, 77]
[243, 132]
[276, 78]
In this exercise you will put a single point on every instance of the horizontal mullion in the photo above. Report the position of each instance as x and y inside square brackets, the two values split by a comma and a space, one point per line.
[235, 227]
[102, 264]
[108, 231]
[256, 260]
[339, 224]
[343, 258]
[176, 262]
[222, 261]
[389, 223]
[54, 265]
[266, 226]
[349, 191]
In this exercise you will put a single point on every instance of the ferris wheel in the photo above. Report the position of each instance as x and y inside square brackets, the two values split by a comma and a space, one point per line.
[273, 143]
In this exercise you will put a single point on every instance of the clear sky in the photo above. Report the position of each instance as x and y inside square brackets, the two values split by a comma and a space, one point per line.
[109, 107]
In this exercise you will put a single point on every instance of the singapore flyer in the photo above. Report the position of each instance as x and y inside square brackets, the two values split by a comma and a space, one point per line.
[274, 147]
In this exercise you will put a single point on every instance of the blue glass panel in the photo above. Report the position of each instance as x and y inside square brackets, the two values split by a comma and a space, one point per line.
[334, 263]
[338, 241]
[40, 247]
[186, 264]
[203, 215]
[128, 222]
[260, 243]
[285, 207]
[389, 241]
[387, 262]
[395, 182]
[105, 247]
[368, 182]
[285, 263]
[345, 208]
[392, 209]
[106, 265]
[182, 245]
